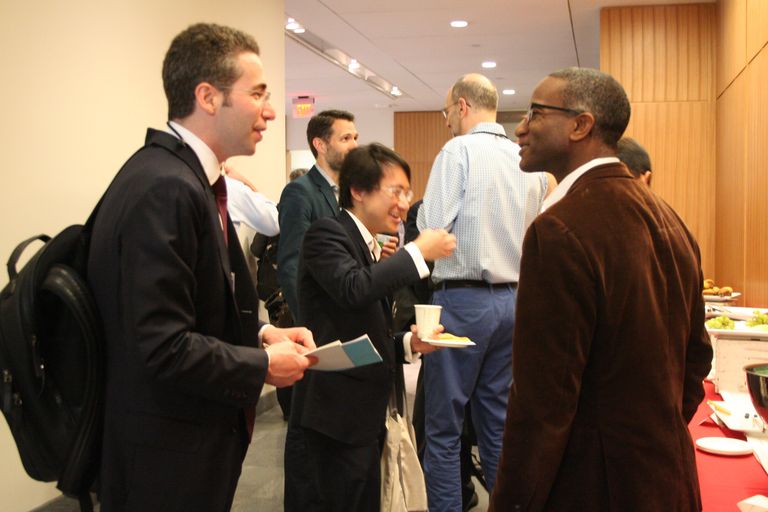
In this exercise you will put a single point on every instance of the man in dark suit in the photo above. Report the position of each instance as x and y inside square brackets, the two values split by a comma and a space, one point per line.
[609, 348]
[343, 295]
[331, 135]
[184, 367]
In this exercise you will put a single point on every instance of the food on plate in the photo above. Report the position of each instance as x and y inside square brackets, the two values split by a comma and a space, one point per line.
[446, 336]
[759, 318]
[720, 322]
[710, 288]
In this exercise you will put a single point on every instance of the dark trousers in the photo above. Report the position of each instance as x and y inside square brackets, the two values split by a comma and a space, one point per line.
[299, 494]
[347, 477]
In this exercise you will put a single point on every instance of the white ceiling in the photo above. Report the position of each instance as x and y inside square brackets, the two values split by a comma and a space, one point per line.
[411, 44]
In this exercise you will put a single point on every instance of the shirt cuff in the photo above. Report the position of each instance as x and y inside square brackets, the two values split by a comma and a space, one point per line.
[418, 259]
[261, 335]
[408, 355]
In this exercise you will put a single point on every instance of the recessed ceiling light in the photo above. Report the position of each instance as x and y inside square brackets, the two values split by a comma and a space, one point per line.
[299, 30]
[459, 23]
[291, 25]
[396, 91]
[508, 92]
[353, 65]
[489, 64]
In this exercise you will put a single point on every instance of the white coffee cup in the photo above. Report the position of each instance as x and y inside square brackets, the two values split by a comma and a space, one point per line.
[427, 319]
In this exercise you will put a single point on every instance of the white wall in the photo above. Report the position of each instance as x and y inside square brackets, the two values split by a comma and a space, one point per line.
[374, 125]
[81, 82]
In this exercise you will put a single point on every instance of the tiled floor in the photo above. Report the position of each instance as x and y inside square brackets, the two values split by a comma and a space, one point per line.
[261, 482]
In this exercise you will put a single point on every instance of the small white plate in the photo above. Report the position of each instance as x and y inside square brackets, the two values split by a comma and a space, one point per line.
[450, 343]
[722, 298]
[723, 446]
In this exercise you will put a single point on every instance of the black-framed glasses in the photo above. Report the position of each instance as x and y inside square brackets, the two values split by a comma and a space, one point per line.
[532, 113]
[399, 193]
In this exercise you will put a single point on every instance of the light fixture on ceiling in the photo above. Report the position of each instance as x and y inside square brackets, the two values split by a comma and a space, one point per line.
[508, 92]
[291, 24]
[322, 48]
[459, 23]
[489, 64]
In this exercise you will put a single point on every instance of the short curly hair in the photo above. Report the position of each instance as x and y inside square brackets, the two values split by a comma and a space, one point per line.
[598, 93]
[204, 52]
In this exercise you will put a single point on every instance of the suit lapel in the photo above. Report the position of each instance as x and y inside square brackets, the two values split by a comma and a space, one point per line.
[185, 153]
[325, 189]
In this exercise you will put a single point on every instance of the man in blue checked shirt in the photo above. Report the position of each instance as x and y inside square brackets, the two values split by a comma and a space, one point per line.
[476, 191]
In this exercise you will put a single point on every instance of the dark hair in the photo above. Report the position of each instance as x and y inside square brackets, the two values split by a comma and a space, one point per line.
[477, 90]
[321, 125]
[297, 173]
[634, 156]
[362, 170]
[202, 53]
[590, 90]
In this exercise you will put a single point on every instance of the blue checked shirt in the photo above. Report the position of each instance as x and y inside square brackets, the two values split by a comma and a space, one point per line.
[477, 191]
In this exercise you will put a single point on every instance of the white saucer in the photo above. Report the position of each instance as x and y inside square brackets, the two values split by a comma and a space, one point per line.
[450, 343]
[723, 446]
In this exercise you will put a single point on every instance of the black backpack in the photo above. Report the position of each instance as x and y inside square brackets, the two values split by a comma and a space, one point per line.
[267, 286]
[52, 363]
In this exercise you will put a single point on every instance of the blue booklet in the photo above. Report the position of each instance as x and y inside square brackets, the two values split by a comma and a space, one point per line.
[342, 356]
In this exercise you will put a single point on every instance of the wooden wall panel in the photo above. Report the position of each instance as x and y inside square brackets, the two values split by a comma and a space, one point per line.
[664, 56]
[419, 136]
[680, 138]
[732, 41]
[756, 233]
[729, 203]
[662, 53]
[757, 26]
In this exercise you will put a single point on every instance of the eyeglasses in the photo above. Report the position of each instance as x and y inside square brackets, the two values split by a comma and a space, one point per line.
[531, 114]
[399, 193]
[257, 94]
[445, 110]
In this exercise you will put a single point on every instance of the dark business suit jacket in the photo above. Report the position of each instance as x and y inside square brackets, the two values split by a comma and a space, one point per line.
[609, 354]
[179, 313]
[343, 295]
[303, 201]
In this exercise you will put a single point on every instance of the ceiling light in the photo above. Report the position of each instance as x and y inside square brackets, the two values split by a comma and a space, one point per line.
[489, 64]
[322, 48]
[459, 23]
[291, 25]
[508, 92]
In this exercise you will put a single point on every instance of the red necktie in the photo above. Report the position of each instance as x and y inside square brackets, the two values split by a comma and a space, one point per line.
[220, 190]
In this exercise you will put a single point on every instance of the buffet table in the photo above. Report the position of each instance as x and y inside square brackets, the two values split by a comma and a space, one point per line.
[724, 480]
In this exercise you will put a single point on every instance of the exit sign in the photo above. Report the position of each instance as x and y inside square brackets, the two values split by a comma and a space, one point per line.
[303, 106]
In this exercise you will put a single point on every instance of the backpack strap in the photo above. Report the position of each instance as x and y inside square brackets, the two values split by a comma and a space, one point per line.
[16, 254]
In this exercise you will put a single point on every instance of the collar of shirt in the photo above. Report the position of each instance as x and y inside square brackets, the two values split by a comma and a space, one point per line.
[493, 128]
[207, 158]
[369, 239]
[330, 181]
[562, 188]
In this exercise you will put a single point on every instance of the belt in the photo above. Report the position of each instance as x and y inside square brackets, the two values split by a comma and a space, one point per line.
[470, 283]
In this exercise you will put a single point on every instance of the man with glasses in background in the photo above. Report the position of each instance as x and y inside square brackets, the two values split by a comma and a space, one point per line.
[476, 191]
[344, 289]
[610, 348]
